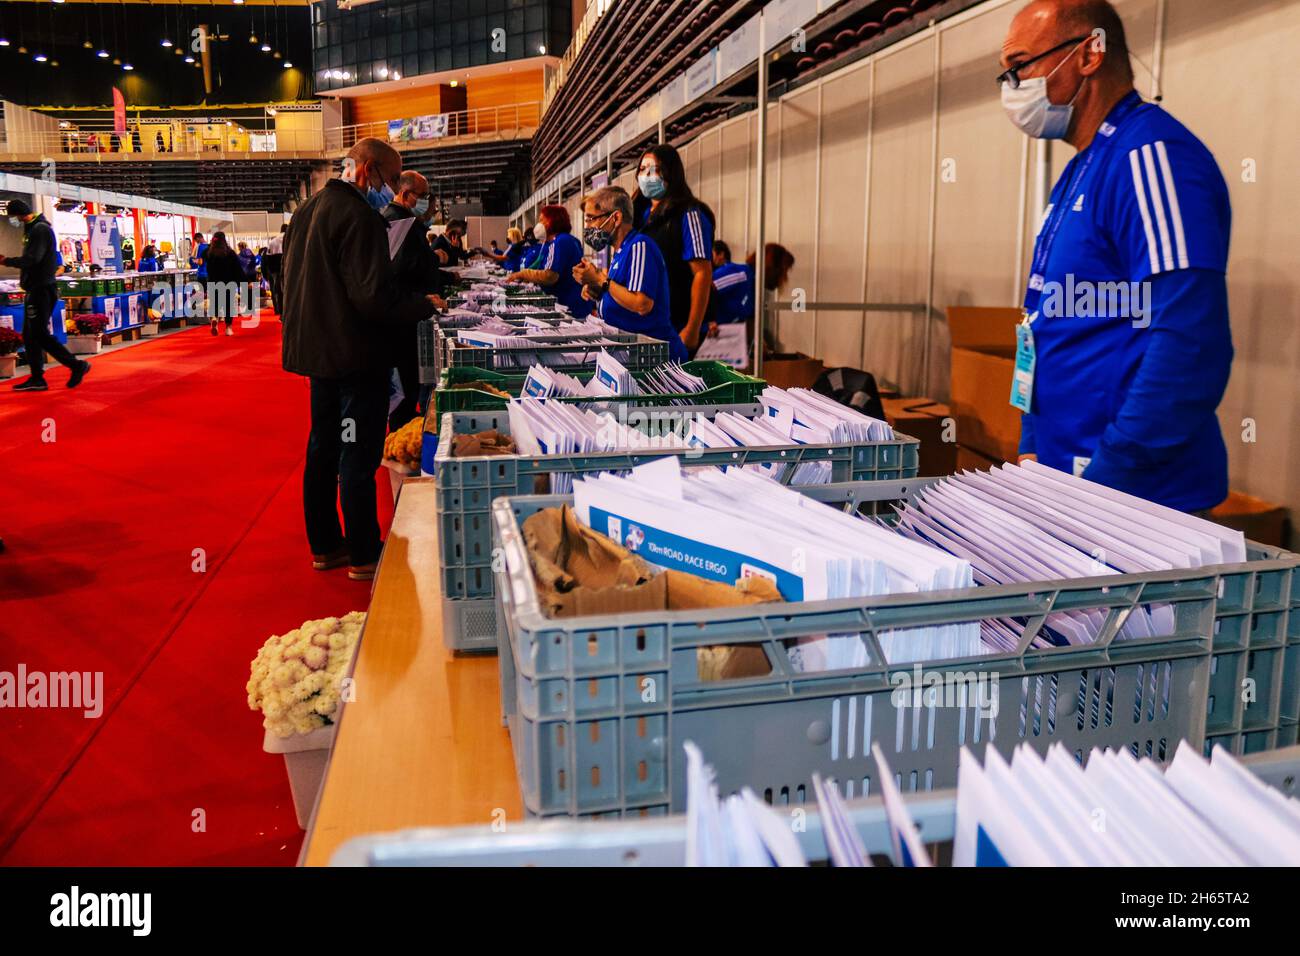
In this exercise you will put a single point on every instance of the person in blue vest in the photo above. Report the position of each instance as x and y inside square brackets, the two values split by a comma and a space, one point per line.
[682, 227]
[733, 286]
[511, 258]
[199, 257]
[554, 269]
[148, 259]
[1125, 350]
[633, 295]
[532, 246]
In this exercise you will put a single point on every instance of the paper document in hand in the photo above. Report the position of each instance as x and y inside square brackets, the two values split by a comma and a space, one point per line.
[397, 232]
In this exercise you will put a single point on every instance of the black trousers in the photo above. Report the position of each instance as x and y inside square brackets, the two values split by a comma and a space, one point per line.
[277, 290]
[344, 450]
[37, 337]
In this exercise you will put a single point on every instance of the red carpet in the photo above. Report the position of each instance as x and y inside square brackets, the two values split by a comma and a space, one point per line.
[188, 442]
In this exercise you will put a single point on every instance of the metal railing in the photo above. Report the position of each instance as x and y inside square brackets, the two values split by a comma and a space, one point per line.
[202, 138]
[192, 138]
[511, 121]
[595, 10]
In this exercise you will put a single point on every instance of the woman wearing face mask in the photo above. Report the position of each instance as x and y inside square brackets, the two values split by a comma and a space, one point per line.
[681, 226]
[561, 251]
[633, 295]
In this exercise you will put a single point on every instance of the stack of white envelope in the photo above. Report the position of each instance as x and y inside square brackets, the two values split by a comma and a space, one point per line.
[1120, 811]
[812, 419]
[1028, 522]
[729, 430]
[611, 378]
[741, 830]
[539, 427]
[844, 843]
[725, 525]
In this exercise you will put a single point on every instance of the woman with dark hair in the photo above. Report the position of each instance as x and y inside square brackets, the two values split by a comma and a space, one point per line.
[682, 227]
[777, 263]
[225, 282]
[561, 251]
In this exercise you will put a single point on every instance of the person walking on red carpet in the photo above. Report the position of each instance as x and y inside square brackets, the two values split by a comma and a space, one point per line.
[37, 267]
[341, 302]
[225, 283]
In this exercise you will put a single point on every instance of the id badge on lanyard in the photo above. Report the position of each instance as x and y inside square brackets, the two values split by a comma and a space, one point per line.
[1022, 379]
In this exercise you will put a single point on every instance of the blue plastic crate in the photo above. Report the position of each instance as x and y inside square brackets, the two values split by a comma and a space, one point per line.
[588, 740]
[468, 486]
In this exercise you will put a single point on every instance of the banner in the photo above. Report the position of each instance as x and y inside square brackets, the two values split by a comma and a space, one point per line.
[119, 111]
[433, 126]
[105, 242]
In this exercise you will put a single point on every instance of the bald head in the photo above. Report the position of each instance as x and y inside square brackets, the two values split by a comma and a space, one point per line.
[411, 188]
[1045, 23]
[372, 162]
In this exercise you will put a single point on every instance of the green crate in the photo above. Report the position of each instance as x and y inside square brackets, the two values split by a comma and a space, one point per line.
[76, 287]
[726, 386]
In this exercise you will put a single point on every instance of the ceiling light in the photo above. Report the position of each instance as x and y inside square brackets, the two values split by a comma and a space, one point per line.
[127, 66]
[54, 63]
[4, 42]
[117, 61]
[22, 49]
[276, 54]
[287, 65]
[252, 38]
[166, 42]
[455, 83]
[41, 58]
[88, 45]
[542, 49]
[189, 59]
[102, 54]
[266, 48]
[383, 72]
[239, 3]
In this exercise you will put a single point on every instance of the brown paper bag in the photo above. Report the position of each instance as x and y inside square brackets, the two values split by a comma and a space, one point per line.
[580, 571]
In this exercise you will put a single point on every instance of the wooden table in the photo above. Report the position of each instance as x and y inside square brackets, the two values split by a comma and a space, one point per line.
[422, 743]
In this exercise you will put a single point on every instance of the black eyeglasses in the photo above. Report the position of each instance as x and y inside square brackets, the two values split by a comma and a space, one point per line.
[1012, 76]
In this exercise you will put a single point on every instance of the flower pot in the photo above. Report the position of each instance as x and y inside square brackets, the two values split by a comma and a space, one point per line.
[84, 344]
[149, 328]
[305, 757]
[8, 363]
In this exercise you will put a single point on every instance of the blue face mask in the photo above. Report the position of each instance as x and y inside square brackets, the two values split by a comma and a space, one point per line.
[379, 198]
[652, 187]
[422, 206]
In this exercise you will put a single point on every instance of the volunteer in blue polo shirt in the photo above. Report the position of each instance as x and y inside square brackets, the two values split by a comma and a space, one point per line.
[553, 269]
[1126, 349]
[733, 286]
[633, 295]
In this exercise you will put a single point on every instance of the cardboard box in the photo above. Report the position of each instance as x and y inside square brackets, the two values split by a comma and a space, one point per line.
[929, 422]
[794, 370]
[983, 357]
[1260, 520]
[968, 459]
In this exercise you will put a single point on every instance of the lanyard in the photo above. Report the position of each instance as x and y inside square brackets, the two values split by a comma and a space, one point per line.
[1043, 250]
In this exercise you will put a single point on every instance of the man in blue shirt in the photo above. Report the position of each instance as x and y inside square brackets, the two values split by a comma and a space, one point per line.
[199, 258]
[1126, 348]
[633, 295]
[733, 286]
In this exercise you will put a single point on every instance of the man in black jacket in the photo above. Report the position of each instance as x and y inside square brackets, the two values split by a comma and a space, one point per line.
[340, 301]
[38, 265]
[416, 269]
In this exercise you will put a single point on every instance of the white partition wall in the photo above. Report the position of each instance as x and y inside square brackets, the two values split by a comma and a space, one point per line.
[899, 179]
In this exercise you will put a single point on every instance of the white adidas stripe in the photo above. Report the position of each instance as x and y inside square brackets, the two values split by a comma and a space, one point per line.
[1140, 190]
[1175, 211]
[1158, 206]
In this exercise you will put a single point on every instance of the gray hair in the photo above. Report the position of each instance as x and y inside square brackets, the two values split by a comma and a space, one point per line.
[611, 199]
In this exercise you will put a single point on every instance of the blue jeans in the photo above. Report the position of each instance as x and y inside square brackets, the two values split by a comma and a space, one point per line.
[344, 449]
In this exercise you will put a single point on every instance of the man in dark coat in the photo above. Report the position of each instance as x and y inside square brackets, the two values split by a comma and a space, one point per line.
[37, 267]
[341, 302]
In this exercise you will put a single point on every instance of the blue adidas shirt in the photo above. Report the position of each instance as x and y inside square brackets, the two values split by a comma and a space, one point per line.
[733, 285]
[514, 257]
[638, 266]
[1131, 335]
[560, 254]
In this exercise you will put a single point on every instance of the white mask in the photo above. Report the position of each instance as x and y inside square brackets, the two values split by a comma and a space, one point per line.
[539, 232]
[1033, 113]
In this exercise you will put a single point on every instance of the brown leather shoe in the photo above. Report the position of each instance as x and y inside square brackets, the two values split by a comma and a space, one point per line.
[327, 562]
[363, 572]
